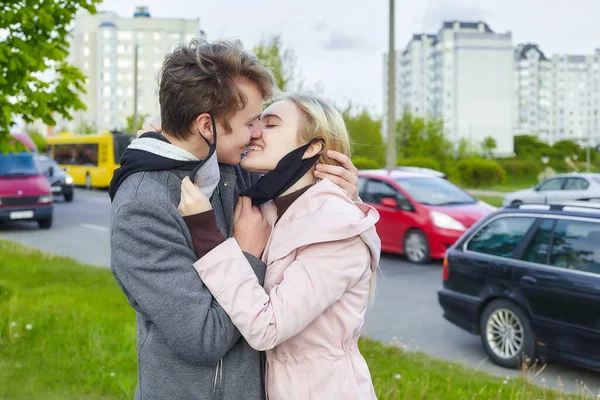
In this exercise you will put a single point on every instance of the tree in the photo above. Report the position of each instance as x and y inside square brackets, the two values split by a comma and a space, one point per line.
[37, 138]
[282, 62]
[489, 145]
[140, 119]
[34, 42]
[365, 135]
[465, 149]
[416, 137]
[86, 128]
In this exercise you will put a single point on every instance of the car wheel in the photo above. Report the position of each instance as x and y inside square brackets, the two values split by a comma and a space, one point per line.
[68, 197]
[88, 181]
[516, 203]
[45, 223]
[506, 334]
[416, 247]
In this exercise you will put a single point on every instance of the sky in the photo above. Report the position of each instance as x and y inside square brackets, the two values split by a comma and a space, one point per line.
[339, 44]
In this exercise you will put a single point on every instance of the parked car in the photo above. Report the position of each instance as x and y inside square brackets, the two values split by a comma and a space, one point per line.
[421, 215]
[60, 182]
[24, 191]
[426, 171]
[527, 280]
[564, 187]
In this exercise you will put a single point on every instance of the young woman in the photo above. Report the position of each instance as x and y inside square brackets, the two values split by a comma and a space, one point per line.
[320, 257]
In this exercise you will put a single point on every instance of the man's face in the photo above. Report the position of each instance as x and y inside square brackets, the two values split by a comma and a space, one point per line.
[244, 126]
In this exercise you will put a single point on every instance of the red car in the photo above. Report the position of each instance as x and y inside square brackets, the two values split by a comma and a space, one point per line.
[421, 215]
[24, 190]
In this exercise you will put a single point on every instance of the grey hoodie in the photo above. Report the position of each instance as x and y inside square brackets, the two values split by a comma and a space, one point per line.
[187, 347]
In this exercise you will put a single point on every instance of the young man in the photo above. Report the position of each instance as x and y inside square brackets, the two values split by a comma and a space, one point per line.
[187, 346]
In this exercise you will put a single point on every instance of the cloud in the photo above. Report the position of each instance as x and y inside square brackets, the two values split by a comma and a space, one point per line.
[339, 40]
[321, 26]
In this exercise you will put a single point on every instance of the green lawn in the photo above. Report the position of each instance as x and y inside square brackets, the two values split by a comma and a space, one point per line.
[67, 332]
[492, 200]
[511, 184]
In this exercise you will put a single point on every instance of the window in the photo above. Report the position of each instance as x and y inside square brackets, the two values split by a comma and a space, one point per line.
[121, 49]
[106, 91]
[76, 154]
[362, 185]
[576, 184]
[86, 37]
[106, 62]
[156, 36]
[122, 63]
[552, 184]
[575, 246]
[125, 35]
[501, 236]
[141, 64]
[86, 51]
[537, 250]
[434, 191]
[377, 190]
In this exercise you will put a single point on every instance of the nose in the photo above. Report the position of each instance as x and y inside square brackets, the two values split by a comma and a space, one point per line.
[256, 130]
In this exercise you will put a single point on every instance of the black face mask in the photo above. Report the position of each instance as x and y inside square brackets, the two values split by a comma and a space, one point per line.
[287, 172]
[212, 147]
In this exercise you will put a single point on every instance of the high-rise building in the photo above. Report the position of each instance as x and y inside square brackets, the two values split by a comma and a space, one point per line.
[103, 46]
[464, 76]
[558, 98]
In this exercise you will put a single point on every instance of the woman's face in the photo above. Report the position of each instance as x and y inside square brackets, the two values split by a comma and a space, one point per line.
[280, 123]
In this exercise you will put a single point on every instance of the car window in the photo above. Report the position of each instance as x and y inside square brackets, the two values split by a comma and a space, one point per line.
[434, 191]
[576, 184]
[377, 190]
[362, 185]
[537, 250]
[576, 245]
[501, 236]
[552, 184]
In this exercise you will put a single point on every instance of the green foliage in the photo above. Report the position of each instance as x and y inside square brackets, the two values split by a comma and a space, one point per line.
[476, 172]
[365, 136]
[281, 61]
[488, 146]
[140, 120]
[465, 149]
[86, 128]
[39, 140]
[416, 137]
[422, 162]
[34, 41]
[521, 168]
[364, 163]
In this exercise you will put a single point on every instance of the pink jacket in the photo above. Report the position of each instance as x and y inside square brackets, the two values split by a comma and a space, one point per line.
[309, 315]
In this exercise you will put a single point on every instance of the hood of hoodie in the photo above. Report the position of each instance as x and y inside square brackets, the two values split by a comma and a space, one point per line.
[324, 213]
[153, 152]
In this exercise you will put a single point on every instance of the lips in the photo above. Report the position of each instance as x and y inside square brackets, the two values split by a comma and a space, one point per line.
[254, 148]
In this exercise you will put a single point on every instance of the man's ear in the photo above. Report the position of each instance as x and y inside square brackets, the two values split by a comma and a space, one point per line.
[314, 149]
[203, 125]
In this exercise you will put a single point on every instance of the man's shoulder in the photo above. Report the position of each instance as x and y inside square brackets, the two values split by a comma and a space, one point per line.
[146, 187]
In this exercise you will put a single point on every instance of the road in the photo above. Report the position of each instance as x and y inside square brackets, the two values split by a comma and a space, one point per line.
[405, 304]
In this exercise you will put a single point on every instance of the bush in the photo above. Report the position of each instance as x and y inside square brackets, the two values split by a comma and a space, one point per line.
[476, 172]
[364, 163]
[521, 168]
[421, 162]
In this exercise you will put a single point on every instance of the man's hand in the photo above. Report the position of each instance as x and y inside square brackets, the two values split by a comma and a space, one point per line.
[151, 126]
[250, 229]
[345, 176]
[193, 200]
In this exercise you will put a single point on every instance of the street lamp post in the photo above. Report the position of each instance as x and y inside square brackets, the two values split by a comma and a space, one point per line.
[391, 117]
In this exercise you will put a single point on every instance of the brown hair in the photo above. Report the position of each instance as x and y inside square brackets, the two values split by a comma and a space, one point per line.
[203, 77]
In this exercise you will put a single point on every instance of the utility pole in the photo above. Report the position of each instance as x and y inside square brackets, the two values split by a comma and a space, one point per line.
[391, 117]
[135, 91]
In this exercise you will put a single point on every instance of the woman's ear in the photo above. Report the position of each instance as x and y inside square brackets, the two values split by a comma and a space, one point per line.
[203, 125]
[314, 149]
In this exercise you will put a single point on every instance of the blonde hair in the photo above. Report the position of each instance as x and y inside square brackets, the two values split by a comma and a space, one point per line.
[322, 120]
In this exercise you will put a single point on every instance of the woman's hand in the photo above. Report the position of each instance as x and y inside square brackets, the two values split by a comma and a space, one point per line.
[193, 200]
[345, 176]
[151, 126]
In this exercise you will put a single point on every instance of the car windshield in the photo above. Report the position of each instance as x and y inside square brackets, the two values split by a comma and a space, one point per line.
[434, 191]
[46, 163]
[18, 164]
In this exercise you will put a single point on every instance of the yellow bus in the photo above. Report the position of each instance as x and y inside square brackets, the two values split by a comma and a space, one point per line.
[89, 159]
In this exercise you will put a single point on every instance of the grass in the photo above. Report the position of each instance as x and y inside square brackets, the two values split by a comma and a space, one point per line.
[491, 200]
[511, 184]
[67, 332]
